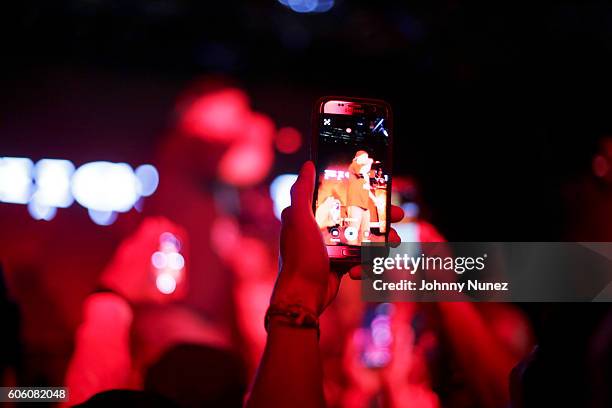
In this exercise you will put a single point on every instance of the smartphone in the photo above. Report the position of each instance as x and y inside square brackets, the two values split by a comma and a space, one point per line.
[351, 149]
[374, 339]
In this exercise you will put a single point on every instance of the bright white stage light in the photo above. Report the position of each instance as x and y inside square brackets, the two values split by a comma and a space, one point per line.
[176, 261]
[165, 283]
[280, 192]
[103, 218]
[41, 212]
[148, 179]
[308, 6]
[15, 180]
[105, 186]
[159, 260]
[52, 179]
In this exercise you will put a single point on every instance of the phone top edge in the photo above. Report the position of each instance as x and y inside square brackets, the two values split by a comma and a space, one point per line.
[326, 100]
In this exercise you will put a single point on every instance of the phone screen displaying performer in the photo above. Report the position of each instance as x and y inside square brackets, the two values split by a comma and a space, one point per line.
[352, 152]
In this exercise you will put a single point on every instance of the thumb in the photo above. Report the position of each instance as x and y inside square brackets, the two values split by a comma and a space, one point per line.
[303, 188]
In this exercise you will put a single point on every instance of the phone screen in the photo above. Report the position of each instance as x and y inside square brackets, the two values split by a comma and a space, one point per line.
[354, 172]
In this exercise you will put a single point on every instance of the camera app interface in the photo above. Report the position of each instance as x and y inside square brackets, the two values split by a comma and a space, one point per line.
[353, 178]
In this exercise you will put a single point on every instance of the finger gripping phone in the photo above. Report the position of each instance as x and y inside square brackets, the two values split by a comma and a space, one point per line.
[351, 148]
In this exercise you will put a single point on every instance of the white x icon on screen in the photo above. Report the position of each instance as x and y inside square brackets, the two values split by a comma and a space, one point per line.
[327, 121]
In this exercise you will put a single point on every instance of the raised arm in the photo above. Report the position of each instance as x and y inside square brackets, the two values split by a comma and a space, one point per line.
[290, 372]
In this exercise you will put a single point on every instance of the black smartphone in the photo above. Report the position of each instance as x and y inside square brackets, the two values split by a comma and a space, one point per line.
[351, 149]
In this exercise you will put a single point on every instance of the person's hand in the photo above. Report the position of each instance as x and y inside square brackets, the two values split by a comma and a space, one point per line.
[305, 276]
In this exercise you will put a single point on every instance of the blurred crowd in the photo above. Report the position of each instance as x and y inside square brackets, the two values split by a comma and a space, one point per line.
[177, 312]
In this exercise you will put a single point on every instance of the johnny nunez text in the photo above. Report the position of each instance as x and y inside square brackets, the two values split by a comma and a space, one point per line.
[434, 285]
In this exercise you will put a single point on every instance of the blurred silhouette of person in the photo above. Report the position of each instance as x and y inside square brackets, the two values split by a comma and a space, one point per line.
[570, 366]
[214, 122]
[218, 151]
[195, 375]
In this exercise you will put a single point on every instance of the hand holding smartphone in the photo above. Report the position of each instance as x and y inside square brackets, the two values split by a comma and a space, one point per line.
[351, 149]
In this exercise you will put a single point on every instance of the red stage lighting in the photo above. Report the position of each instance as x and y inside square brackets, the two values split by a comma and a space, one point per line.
[288, 140]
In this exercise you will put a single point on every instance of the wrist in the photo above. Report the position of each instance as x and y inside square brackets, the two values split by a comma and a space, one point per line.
[298, 291]
[279, 329]
[291, 315]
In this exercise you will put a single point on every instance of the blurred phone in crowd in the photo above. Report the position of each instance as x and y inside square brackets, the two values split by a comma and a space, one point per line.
[375, 337]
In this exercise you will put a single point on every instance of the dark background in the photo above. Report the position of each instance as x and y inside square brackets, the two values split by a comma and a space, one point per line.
[495, 103]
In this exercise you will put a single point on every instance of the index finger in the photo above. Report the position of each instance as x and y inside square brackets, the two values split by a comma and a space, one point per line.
[303, 188]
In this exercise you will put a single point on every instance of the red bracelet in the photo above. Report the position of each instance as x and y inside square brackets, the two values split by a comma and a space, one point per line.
[292, 315]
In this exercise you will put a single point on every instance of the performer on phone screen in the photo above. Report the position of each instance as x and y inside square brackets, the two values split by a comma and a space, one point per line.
[358, 196]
